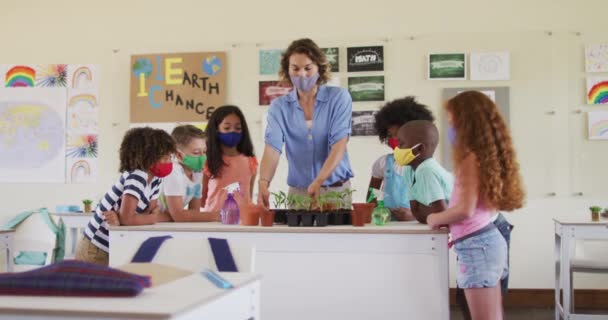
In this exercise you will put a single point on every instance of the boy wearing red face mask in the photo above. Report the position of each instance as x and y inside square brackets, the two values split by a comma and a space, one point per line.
[387, 175]
[145, 158]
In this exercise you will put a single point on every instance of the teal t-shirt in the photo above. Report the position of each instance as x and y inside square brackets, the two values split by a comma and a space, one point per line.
[430, 182]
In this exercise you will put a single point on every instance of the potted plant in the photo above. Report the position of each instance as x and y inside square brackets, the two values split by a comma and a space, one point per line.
[279, 200]
[302, 204]
[605, 213]
[293, 216]
[595, 213]
[87, 205]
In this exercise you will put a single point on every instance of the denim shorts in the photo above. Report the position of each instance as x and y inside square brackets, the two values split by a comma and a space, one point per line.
[482, 260]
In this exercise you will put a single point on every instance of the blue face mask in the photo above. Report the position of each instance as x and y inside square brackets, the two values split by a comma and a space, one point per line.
[451, 135]
[230, 139]
[304, 84]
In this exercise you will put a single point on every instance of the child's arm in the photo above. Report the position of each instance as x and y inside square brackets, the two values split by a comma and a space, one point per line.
[179, 214]
[421, 212]
[205, 190]
[468, 181]
[251, 185]
[402, 214]
[128, 213]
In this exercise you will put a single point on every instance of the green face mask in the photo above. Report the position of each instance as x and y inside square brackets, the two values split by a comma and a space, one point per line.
[194, 163]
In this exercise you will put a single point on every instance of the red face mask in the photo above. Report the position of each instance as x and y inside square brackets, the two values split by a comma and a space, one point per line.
[161, 169]
[393, 143]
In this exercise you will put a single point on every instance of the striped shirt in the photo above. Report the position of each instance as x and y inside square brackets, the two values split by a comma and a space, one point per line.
[133, 183]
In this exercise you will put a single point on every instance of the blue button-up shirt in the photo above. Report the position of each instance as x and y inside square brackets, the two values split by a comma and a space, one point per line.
[307, 149]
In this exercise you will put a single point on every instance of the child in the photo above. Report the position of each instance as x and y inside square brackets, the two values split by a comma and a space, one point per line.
[183, 187]
[487, 180]
[230, 157]
[386, 174]
[145, 158]
[430, 185]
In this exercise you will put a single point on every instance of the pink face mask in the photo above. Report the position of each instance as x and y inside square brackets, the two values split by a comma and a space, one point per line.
[393, 143]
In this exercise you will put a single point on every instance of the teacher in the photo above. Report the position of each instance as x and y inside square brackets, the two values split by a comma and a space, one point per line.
[314, 123]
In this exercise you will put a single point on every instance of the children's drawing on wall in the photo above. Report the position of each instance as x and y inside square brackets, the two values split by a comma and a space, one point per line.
[365, 58]
[446, 66]
[270, 90]
[18, 76]
[333, 57]
[490, 66]
[597, 90]
[82, 112]
[363, 123]
[82, 146]
[83, 76]
[270, 61]
[596, 58]
[366, 88]
[177, 87]
[52, 75]
[81, 170]
[32, 135]
[598, 125]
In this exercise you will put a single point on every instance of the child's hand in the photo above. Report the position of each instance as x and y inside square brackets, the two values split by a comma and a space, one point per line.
[431, 220]
[215, 216]
[111, 218]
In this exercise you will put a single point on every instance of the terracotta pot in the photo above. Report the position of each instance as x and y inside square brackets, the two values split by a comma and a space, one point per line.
[357, 218]
[250, 214]
[267, 217]
[595, 216]
[365, 209]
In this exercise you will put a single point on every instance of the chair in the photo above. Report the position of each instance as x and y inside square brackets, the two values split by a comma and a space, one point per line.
[33, 235]
[581, 263]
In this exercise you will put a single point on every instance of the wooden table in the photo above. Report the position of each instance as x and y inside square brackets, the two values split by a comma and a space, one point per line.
[395, 271]
[567, 231]
[75, 223]
[192, 297]
[6, 241]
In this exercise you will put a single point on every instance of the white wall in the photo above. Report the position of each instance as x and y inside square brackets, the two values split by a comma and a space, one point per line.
[547, 74]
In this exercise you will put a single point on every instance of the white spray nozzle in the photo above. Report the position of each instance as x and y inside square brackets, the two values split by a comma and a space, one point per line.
[377, 194]
[232, 188]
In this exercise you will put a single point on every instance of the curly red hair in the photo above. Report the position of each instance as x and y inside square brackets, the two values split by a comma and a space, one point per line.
[481, 129]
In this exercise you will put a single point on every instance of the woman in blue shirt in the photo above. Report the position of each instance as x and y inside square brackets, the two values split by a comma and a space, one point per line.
[313, 121]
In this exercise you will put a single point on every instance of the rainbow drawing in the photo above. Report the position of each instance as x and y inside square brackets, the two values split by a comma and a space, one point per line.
[598, 125]
[86, 98]
[597, 90]
[81, 72]
[80, 169]
[20, 76]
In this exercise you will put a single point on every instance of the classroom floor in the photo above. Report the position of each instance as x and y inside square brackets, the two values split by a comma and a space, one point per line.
[526, 313]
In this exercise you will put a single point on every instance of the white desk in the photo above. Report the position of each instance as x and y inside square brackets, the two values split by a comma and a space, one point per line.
[6, 241]
[192, 297]
[567, 231]
[395, 271]
[74, 225]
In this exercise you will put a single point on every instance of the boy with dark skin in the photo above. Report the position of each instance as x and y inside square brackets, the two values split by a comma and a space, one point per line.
[430, 185]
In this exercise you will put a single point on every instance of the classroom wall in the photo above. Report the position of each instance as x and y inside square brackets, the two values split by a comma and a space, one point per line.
[545, 37]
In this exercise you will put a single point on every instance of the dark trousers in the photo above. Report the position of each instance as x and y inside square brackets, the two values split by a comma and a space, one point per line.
[505, 230]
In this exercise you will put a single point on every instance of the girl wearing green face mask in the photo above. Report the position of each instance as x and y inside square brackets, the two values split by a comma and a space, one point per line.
[181, 191]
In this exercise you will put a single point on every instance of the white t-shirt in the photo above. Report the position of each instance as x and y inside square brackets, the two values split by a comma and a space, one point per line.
[179, 185]
[378, 169]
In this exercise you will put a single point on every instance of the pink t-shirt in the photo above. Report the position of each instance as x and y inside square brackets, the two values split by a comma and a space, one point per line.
[236, 169]
[480, 218]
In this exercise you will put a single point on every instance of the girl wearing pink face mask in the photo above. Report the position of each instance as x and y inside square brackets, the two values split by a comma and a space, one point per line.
[145, 158]
[387, 175]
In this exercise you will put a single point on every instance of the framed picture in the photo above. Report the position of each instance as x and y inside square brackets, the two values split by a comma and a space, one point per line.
[447, 66]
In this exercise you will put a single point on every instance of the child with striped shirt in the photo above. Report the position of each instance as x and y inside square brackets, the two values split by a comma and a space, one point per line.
[145, 158]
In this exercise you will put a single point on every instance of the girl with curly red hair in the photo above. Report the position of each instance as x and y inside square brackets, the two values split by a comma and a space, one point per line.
[487, 180]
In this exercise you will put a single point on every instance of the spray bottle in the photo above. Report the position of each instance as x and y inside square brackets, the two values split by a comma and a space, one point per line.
[230, 213]
[380, 215]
